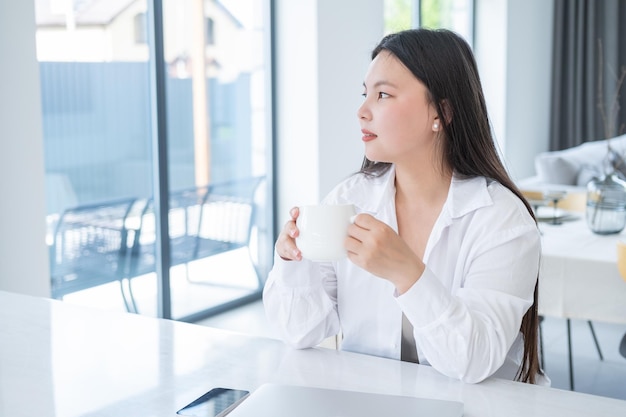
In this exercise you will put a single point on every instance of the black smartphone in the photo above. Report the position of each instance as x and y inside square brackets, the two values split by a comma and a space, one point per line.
[216, 403]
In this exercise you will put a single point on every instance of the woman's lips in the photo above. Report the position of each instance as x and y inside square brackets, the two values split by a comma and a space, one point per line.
[367, 135]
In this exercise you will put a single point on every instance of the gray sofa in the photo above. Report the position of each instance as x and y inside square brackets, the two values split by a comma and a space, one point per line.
[575, 167]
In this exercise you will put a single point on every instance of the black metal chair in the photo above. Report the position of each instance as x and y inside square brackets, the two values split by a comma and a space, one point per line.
[185, 210]
[90, 247]
[227, 219]
[203, 221]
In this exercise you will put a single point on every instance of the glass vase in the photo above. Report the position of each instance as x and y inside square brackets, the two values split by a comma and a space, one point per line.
[606, 205]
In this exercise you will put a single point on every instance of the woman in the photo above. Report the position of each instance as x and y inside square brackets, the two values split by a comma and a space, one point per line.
[445, 251]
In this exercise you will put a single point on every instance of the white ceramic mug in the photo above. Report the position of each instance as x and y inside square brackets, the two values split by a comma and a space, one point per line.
[323, 230]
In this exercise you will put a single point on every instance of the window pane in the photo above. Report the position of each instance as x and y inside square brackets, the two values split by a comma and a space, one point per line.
[95, 71]
[398, 15]
[218, 148]
[456, 15]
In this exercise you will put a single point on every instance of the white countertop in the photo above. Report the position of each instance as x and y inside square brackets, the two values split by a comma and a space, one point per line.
[62, 360]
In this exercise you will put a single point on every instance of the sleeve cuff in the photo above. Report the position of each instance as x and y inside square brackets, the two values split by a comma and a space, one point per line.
[426, 302]
[296, 273]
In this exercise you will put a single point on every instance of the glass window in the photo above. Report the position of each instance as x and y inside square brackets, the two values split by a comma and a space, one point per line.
[97, 115]
[456, 15]
[218, 149]
[399, 15]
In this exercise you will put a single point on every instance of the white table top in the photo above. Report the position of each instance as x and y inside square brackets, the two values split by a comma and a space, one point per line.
[579, 278]
[62, 360]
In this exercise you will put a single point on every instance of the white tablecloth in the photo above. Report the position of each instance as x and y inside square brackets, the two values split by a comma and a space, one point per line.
[579, 277]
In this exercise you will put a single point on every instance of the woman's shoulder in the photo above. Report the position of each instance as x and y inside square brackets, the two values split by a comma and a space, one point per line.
[357, 188]
[348, 187]
[505, 201]
[489, 198]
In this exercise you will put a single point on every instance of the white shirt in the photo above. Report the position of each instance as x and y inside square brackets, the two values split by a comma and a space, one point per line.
[482, 260]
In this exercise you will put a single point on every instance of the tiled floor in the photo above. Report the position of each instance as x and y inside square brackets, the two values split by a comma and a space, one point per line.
[605, 377]
[591, 375]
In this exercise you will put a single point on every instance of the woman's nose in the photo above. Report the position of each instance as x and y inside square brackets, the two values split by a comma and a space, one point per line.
[363, 112]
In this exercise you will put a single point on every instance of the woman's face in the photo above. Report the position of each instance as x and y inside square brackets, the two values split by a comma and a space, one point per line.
[396, 118]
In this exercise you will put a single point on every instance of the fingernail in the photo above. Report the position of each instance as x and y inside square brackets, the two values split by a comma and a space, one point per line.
[353, 218]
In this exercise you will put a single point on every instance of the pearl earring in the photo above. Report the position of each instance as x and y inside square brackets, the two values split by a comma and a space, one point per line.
[435, 125]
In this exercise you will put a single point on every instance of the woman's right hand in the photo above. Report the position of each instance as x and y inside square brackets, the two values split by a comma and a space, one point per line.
[286, 243]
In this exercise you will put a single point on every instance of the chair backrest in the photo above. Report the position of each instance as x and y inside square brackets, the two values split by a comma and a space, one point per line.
[221, 213]
[89, 246]
[185, 212]
[228, 213]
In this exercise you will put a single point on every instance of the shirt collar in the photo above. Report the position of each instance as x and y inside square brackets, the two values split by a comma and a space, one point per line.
[374, 193]
[465, 194]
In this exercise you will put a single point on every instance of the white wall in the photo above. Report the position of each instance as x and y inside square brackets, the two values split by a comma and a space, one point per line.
[323, 50]
[513, 51]
[23, 253]
[490, 48]
[528, 83]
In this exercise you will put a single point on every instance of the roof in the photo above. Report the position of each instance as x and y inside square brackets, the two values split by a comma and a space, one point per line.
[86, 12]
[93, 12]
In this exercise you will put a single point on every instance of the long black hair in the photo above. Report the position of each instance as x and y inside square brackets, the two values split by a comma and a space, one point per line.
[445, 64]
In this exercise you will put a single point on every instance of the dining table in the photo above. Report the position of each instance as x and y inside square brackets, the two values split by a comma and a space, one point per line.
[579, 278]
[62, 360]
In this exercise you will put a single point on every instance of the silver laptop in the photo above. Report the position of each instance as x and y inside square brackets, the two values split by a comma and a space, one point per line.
[275, 400]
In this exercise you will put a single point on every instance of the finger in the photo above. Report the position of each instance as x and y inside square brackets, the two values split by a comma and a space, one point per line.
[363, 220]
[291, 254]
[291, 229]
[362, 226]
[294, 212]
[356, 233]
[352, 245]
[286, 248]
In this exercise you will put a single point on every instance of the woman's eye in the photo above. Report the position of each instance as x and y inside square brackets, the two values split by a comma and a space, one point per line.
[380, 95]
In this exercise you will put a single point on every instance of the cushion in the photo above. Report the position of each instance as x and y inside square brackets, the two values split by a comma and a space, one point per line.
[577, 165]
[555, 169]
[587, 173]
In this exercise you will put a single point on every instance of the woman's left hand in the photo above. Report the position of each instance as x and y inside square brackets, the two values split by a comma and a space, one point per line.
[377, 248]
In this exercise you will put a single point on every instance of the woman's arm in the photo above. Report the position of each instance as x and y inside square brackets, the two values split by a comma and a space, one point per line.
[468, 334]
[300, 299]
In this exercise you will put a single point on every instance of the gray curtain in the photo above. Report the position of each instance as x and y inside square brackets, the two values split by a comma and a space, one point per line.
[579, 26]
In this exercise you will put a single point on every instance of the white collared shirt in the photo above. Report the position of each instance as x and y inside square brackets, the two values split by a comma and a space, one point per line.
[482, 260]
